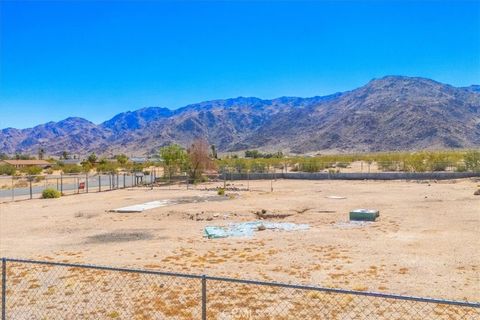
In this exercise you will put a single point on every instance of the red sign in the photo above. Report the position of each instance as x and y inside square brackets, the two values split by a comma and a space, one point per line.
[81, 185]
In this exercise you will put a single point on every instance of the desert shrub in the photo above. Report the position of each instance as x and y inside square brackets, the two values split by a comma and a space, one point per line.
[71, 168]
[310, 165]
[32, 170]
[57, 166]
[50, 193]
[7, 170]
[342, 164]
[240, 165]
[138, 167]
[122, 159]
[472, 161]
[221, 191]
[86, 166]
[438, 161]
[258, 166]
[437, 166]
[387, 166]
[416, 163]
[108, 167]
[257, 154]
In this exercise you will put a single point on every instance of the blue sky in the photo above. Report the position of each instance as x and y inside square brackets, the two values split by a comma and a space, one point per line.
[94, 59]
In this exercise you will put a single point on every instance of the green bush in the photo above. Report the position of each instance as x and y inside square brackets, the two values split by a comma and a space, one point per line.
[107, 167]
[342, 164]
[387, 166]
[310, 165]
[416, 163]
[258, 166]
[50, 193]
[7, 170]
[472, 161]
[71, 168]
[221, 191]
[32, 170]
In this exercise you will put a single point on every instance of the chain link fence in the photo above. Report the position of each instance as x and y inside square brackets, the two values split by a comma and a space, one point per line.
[312, 164]
[47, 290]
[30, 187]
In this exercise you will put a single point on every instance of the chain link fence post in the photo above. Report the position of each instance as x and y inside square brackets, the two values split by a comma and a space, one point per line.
[204, 297]
[4, 288]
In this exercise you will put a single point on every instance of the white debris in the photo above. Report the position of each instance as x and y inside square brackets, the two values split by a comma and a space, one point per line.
[143, 206]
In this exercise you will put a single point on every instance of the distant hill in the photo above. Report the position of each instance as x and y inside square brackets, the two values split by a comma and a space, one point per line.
[391, 113]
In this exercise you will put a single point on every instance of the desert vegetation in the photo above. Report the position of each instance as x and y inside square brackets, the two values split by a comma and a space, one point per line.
[50, 193]
[423, 161]
[194, 161]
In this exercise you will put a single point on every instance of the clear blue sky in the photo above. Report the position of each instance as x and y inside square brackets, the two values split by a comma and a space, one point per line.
[94, 59]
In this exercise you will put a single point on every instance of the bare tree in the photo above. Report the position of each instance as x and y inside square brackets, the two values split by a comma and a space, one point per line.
[199, 157]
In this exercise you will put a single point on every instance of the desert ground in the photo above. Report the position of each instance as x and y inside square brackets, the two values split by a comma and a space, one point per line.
[426, 242]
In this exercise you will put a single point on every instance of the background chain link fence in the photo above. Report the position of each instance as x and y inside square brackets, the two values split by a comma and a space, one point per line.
[46, 290]
[31, 187]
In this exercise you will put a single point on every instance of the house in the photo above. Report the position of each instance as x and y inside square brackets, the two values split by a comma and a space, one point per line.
[27, 163]
[71, 161]
[138, 160]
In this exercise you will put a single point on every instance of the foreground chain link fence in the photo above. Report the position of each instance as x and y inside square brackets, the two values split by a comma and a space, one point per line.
[47, 290]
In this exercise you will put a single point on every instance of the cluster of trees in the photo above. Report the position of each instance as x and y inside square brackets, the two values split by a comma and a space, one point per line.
[92, 162]
[193, 161]
[105, 165]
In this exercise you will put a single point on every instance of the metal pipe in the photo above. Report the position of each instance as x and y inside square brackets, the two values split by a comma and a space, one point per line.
[4, 289]
[204, 297]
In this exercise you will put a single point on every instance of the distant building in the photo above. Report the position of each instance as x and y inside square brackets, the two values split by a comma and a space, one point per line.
[138, 160]
[72, 161]
[27, 163]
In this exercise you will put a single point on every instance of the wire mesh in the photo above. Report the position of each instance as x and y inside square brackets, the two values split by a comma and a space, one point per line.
[44, 290]
[237, 300]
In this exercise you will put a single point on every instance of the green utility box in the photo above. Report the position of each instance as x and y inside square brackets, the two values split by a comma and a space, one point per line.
[364, 215]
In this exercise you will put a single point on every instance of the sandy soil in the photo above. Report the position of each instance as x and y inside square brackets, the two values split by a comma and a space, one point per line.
[426, 242]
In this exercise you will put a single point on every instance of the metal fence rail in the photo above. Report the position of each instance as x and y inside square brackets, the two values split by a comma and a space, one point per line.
[49, 290]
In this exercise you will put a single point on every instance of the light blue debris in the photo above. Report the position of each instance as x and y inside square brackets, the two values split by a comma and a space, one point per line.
[246, 229]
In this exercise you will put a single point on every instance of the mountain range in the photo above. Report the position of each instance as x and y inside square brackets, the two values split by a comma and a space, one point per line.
[387, 114]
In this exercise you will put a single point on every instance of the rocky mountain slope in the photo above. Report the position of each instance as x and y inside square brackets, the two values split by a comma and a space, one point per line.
[391, 113]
